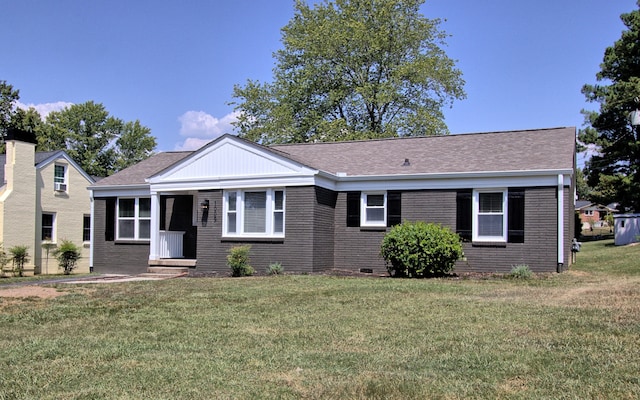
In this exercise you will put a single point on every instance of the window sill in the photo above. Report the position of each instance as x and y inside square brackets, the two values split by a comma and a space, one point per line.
[250, 239]
[132, 241]
[373, 228]
[488, 244]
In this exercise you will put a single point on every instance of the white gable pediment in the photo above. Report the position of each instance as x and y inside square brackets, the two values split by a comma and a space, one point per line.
[231, 158]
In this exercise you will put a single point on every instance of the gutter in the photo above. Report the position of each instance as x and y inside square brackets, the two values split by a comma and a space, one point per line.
[560, 223]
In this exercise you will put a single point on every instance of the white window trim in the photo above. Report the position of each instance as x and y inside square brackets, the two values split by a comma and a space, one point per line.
[52, 239]
[83, 228]
[363, 210]
[136, 218]
[239, 211]
[476, 208]
[64, 177]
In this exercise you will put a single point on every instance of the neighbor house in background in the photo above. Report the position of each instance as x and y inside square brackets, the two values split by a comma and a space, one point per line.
[43, 200]
[319, 206]
[591, 213]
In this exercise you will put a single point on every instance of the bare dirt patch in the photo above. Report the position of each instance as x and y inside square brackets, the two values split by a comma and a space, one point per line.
[31, 291]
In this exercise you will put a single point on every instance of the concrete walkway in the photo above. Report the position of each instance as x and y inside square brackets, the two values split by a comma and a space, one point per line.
[104, 278]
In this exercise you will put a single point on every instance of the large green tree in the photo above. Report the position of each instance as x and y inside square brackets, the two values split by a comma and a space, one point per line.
[8, 96]
[352, 69]
[101, 144]
[613, 172]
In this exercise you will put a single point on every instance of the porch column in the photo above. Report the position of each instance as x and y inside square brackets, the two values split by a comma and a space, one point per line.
[155, 227]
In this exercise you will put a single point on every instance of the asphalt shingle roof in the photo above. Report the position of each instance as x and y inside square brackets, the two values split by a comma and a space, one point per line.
[480, 152]
[542, 149]
[136, 174]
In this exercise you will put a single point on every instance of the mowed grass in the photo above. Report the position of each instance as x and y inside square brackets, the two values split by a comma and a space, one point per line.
[574, 335]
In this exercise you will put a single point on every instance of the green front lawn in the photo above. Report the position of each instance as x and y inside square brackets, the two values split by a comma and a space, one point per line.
[573, 335]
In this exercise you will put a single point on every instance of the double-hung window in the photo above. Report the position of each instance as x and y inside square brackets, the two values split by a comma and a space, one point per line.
[60, 178]
[254, 213]
[48, 227]
[490, 215]
[373, 209]
[86, 228]
[134, 218]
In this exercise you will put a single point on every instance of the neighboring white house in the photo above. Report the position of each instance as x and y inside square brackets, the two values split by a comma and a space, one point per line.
[43, 200]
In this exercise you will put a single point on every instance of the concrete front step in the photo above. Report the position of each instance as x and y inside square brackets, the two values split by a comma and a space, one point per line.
[158, 270]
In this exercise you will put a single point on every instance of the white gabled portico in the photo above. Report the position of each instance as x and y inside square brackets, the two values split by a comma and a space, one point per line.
[226, 163]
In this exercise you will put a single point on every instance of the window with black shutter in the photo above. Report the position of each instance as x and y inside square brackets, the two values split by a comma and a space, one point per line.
[394, 208]
[110, 219]
[353, 209]
[515, 217]
[464, 210]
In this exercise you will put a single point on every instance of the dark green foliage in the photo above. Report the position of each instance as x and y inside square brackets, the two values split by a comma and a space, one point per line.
[614, 171]
[419, 249]
[67, 255]
[352, 69]
[19, 256]
[238, 261]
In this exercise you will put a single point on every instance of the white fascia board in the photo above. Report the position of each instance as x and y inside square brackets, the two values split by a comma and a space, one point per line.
[453, 181]
[234, 183]
[62, 154]
[120, 191]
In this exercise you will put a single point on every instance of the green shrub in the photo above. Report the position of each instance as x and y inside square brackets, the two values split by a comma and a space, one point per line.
[19, 257]
[67, 255]
[520, 272]
[238, 261]
[275, 269]
[419, 249]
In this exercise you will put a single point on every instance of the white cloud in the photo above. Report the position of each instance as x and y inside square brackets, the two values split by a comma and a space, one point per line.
[200, 128]
[191, 144]
[45, 108]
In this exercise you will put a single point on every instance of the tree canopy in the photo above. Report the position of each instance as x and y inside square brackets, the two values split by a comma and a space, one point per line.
[352, 69]
[100, 143]
[613, 172]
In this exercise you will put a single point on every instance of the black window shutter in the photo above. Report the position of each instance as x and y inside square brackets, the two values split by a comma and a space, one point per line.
[515, 223]
[394, 208]
[353, 208]
[110, 219]
[463, 214]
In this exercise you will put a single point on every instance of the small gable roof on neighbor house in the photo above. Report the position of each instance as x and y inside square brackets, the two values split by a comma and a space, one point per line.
[527, 159]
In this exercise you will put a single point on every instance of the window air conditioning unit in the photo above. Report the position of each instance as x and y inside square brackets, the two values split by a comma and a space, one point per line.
[60, 187]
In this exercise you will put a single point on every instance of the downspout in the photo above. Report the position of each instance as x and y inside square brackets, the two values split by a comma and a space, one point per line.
[560, 224]
[91, 231]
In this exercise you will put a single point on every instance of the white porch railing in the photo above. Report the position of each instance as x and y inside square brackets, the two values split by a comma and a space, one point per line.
[171, 244]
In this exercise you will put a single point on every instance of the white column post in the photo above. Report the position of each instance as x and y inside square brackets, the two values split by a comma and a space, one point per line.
[155, 227]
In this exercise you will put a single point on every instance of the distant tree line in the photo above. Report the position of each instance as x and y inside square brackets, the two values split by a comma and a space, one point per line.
[100, 143]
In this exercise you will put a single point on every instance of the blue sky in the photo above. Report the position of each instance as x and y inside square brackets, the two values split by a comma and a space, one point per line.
[172, 64]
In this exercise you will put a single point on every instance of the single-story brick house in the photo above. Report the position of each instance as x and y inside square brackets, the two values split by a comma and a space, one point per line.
[318, 206]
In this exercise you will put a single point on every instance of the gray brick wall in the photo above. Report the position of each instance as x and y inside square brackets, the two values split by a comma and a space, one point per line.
[111, 257]
[295, 251]
[357, 248]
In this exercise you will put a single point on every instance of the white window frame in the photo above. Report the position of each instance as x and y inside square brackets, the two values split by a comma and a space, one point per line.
[86, 228]
[61, 181]
[364, 207]
[52, 239]
[136, 218]
[476, 213]
[239, 213]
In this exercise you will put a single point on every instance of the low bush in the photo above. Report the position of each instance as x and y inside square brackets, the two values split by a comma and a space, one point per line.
[520, 272]
[238, 261]
[419, 249]
[275, 269]
[67, 255]
[19, 257]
